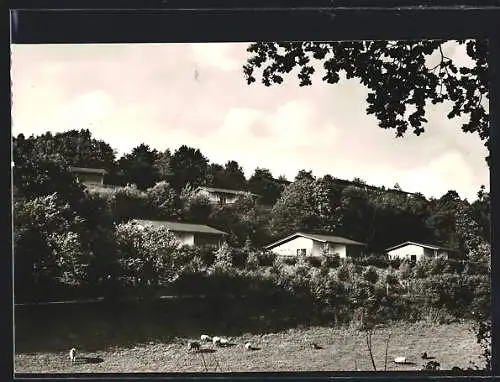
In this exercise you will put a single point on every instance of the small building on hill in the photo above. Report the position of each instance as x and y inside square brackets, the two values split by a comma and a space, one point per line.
[416, 251]
[222, 195]
[89, 176]
[309, 244]
[189, 234]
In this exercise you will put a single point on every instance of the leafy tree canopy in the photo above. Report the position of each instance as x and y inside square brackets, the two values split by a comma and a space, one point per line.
[77, 147]
[138, 167]
[303, 174]
[263, 184]
[295, 209]
[188, 166]
[398, 75]
[39, 173]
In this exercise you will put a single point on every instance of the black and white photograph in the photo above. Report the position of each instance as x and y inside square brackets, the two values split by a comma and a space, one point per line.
[275, 206]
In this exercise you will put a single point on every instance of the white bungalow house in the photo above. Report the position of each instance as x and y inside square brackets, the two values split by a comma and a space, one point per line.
[222, 195]
[89, 176]
[308, 244]
[416, 251]
[189, 234]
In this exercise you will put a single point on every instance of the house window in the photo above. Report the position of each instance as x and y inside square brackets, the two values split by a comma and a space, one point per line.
[413, 258]
[301, 252]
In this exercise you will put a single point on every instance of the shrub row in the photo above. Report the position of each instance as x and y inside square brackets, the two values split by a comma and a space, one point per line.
[149, 260]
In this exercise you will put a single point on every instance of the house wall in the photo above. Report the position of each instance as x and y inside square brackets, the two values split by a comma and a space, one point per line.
[216, 197]
[354, 250]
[443, 253]
[315, 248]
[90, 178]
[332, 248]
[186, 238]
[429, 252]
[228, 199]
[207, 239]
[290, 248]
[406, 252]
[196, 238]
[437, 253]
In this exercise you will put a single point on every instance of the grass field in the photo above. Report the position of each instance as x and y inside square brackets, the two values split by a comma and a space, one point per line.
[286, 350]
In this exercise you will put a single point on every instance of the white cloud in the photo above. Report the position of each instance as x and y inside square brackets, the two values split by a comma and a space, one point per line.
[92, 108]
[238, 122]
[290, 124]
[446, 172]
[212, 54]
[281, 140]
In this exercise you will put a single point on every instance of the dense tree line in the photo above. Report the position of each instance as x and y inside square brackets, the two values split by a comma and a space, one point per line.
[67, 234]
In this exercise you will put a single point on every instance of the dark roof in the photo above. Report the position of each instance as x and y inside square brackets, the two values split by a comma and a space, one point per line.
[430, 246]
[313, 236]
[182, 227]
[225, 191]
[88, 170]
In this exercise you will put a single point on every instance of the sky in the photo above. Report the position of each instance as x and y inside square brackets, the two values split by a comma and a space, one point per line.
[167, 95]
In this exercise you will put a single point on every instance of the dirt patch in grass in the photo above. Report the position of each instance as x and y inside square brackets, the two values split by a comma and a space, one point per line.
[288, 350]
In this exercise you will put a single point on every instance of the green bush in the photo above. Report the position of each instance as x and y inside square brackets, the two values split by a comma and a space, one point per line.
[266, 258]
[371, 275]
[149, 256]
[343, 272]
[207, 254]
[391, 279]
[128, 203]
[482, 329]
[395, 263]
[162, 201]
[48, 246]
[405, 270]
[438, 265]
[253, 261]
[437, 315]
[379, 261]
[223, 259]
[289, 260]
[313, 261]
[358, 269]
[455, 266]
[239, 257]
[331, 260]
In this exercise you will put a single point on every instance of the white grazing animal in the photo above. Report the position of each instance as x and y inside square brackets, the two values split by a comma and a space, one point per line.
[400, 360]
[216, 340]
[248, 346]
[204, 337]
[72, 354]
[224, 341]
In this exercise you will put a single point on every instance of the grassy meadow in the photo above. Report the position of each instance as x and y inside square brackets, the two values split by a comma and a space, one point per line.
[154, 339]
